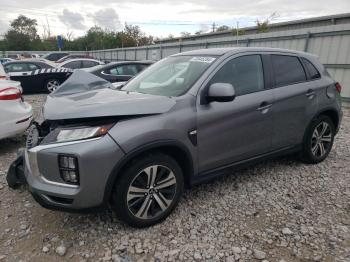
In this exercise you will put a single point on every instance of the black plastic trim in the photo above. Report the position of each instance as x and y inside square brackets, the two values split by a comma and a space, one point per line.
[216, 172]
[139, 150]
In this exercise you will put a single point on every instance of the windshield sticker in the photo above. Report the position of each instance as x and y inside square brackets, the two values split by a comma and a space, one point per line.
[203, 59]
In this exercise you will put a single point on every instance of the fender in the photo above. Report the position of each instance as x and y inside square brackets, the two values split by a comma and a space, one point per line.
[137, 151]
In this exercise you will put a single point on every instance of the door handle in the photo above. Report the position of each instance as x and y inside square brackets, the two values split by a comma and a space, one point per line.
[310, 93]
[264, 106]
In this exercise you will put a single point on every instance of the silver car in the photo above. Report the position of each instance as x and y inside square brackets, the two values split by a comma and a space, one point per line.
[184, 120]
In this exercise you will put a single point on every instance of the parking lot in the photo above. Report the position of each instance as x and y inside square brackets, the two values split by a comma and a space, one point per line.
[280, 210]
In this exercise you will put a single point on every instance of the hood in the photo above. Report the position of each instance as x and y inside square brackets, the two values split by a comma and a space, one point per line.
[91, 97]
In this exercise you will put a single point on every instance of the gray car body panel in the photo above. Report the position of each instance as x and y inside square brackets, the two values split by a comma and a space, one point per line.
[94, 169]
[105, 103]
[226, 133]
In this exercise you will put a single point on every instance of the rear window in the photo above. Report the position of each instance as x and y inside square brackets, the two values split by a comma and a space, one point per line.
[288, 70]
[313, 72]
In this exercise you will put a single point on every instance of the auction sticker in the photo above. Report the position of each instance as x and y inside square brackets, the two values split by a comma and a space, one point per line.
[203, 59]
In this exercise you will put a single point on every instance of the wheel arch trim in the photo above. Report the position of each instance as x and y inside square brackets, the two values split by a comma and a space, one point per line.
[141, 150]
[334, 112]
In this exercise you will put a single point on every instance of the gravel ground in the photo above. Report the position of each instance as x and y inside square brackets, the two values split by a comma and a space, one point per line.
[280, 210]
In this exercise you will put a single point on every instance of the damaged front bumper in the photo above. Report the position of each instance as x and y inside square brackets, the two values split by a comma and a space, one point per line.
[39, 168]
[15, 174]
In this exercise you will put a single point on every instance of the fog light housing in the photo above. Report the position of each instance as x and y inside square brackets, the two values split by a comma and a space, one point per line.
[69, 171]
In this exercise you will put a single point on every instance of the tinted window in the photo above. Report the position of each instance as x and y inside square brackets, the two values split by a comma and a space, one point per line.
[16, 68]
[87, 64]
[73, 65]
[124, 70]
[313, 72]
[142, 67]
[32, 67]
[288, 70]
[244, 73]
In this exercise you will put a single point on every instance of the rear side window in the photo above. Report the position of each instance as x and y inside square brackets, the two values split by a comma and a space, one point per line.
[16, 67]
[87, 64]
[142, 67]
[313, 72]
[124, 70]
[33, 67]
[245, 73]
[73, 65]
[288, 70]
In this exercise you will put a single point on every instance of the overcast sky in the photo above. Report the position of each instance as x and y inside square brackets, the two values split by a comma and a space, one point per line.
[160, 17]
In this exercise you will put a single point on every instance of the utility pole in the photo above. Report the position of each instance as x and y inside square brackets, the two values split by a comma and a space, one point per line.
[237, 26]
[214, 27]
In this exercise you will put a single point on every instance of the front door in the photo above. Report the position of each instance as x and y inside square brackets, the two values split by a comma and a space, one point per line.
[229, 132]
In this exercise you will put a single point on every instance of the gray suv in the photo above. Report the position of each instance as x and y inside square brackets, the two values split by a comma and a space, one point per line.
[184, 120]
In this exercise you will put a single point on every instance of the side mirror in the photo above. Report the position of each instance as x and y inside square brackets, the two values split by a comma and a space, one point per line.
[221, 92]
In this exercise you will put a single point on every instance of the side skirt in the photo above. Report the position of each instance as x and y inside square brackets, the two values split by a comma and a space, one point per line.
[224, 170]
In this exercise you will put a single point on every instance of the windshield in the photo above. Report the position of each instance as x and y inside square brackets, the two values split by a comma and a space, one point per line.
[172, 76]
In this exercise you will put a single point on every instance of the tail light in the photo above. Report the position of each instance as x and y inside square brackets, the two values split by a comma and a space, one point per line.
[10, 93]
[338, 87]
[4, 78]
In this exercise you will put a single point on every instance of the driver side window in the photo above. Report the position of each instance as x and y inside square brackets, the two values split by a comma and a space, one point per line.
[245, 73]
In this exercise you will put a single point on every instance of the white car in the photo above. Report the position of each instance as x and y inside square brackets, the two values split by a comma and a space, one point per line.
[15, 114]
[3, 74]
[80, 63]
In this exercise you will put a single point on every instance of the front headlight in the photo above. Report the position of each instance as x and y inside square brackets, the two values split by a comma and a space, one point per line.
[65, 134]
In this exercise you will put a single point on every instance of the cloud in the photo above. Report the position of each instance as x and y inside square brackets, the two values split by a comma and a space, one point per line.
[3, 28]
[107, 18]
[72, 20]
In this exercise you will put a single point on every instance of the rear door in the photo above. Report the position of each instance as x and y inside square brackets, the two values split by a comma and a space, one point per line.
[229, 132]
[294, 97]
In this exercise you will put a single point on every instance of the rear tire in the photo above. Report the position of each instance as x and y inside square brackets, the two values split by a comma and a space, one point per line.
[318, 140]
[148, 190]
[52, 84]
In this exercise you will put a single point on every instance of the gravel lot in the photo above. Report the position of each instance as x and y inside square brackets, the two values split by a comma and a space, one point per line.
[280, 210]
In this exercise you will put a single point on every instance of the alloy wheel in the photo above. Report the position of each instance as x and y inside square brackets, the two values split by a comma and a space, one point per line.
[52, 85]
[151, 192]
[321, 139]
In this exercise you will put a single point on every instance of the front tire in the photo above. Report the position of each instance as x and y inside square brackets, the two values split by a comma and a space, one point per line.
[318, 140]
[148, 190]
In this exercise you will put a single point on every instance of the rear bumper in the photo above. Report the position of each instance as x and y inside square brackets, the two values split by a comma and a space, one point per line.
[19, 118]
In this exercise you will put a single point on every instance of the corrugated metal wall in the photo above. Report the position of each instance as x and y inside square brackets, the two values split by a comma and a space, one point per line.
[330, 43]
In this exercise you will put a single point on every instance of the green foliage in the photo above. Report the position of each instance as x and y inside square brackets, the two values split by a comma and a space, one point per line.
[263, 26]
[222, 28]
[22, 36]
[240, 32]
[185, 34]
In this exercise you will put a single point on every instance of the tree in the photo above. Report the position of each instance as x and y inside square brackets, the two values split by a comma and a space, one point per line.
[22, 35]
[185, 34]
[263, 26]
[222, 28]
[26, 26]
[133, 36]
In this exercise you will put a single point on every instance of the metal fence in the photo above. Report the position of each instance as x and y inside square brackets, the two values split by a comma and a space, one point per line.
[330, 43]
